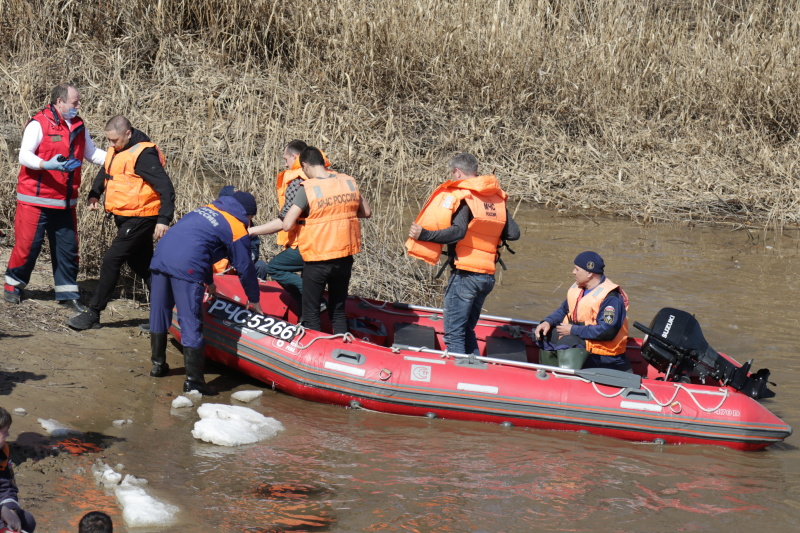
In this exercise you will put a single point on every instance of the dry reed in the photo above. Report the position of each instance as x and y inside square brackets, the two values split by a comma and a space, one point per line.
[659, 111]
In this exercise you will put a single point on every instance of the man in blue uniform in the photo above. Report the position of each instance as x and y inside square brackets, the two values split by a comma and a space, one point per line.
[182, 270]
[591, 326]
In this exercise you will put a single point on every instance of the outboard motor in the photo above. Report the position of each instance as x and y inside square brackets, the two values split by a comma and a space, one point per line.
[675, 346]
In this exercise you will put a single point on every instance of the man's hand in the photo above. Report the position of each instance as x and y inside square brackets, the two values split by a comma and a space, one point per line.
[415, 230]
[211, 289]
[255, 307]
[94, 204]
[564, 330]
[542, 330]
[10, 518]
[60, 163]
[160, 231]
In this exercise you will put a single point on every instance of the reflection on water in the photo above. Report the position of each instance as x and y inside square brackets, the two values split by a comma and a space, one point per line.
[344, 470]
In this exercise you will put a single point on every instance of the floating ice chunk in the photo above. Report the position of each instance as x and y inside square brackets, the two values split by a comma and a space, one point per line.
[20, 411]
[231, 425]
[132, 481]
[139, 509]
[247, 396]
[181, 401]
[54, 428]
[120, 423]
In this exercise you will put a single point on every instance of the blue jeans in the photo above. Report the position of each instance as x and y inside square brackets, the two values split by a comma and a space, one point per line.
[463, 300]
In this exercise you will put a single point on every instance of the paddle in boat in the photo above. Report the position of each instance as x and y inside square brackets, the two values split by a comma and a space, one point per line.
[393, 360]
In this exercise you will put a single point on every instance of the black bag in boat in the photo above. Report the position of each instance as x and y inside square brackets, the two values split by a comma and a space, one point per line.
[675, 345]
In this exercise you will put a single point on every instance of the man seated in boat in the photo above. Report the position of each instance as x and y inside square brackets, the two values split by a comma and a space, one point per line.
[468, 214]
[590, 329]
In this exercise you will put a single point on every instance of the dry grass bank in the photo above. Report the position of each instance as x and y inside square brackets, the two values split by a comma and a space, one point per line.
[658, 110]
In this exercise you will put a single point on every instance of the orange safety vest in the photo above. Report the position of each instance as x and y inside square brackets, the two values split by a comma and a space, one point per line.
[477, 251]
[331, 229]
[127, 194]
[589, 308]
[288, 239]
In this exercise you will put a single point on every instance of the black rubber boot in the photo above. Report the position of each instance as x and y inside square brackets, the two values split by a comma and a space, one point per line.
[194, 360]
[158, 348]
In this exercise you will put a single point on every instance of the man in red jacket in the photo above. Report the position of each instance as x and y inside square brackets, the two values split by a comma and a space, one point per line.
[54, 144]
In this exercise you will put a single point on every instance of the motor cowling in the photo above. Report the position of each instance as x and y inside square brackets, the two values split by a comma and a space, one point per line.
[675, 345]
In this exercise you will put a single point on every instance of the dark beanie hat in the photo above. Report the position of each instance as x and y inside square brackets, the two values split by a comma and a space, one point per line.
[227, 190]
[591, 262]
[248, 202]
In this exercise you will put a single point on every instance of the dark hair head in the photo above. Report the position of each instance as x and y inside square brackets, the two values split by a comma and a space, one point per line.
[119, 124]
[312, 156]
[95, 522]
[5, 418]
[60, 91]
[296, 147]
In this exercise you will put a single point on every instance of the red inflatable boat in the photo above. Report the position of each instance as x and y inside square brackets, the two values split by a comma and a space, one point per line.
[681, 391]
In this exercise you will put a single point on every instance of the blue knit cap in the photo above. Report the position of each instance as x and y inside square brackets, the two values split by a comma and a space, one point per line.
[227, 190]
[590, 262]
[248, 201]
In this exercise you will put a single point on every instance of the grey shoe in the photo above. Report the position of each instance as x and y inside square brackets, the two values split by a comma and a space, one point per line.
[13, 297]
[75, 304]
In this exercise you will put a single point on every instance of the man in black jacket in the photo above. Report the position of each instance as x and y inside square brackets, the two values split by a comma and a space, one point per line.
[140, 195]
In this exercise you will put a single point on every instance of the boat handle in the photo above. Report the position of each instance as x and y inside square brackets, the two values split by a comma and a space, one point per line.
[346, 356]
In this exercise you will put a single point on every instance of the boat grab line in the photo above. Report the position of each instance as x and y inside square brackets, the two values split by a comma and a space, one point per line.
[678, 387]
[346, 337]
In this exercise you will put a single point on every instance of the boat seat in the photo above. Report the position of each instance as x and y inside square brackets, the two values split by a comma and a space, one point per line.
[414, 335]
[505, 348]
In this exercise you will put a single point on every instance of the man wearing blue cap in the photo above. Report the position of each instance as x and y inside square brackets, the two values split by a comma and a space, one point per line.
[591, 326]
[182, 269]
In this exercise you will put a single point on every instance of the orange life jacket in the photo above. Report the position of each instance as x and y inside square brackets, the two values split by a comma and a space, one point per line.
[288, 239]
[52, 188]
[589, 308]
[127, 194]
[477, 251]
[331, 230]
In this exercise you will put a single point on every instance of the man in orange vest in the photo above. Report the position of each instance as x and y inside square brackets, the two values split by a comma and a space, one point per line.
[327, 207]
[591, 325]
[468, 214]
[54, 144]
[140, 195]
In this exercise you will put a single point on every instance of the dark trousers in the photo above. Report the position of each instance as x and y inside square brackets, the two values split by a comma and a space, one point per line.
[335, 273]
[133, 245]
[167, 292]
[283, 267]
[31, 224]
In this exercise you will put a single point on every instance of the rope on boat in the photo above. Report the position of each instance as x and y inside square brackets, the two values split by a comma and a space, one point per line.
[604, 395]
[346, 337]
[678, 387]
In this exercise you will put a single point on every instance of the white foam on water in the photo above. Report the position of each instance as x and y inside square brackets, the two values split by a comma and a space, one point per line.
[231, 425]
[182, 401]
[54, 428]
[139, 509]
[247, 396]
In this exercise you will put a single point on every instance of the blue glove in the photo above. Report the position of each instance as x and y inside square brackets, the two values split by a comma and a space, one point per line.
[61, 164]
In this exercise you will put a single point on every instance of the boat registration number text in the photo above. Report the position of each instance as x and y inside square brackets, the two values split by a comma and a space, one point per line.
[243, 316]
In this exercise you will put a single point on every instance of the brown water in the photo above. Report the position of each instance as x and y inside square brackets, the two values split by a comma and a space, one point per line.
[344, 470]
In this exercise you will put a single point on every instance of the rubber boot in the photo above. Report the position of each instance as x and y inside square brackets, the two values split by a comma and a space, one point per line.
[548, 357]
[194, 359]
[158, 347]
[572, 358]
